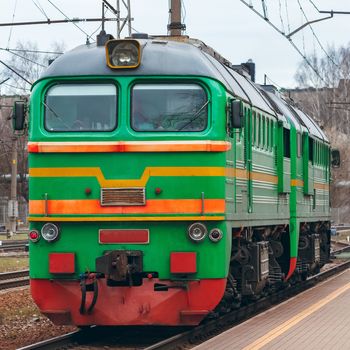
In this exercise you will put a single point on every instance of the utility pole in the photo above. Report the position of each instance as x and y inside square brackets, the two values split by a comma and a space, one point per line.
[175, 27]
[13, 203]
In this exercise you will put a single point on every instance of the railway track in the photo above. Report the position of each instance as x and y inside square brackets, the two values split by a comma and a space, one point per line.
[14, 279]
[339, 247]
[188, 337]
[6, 246]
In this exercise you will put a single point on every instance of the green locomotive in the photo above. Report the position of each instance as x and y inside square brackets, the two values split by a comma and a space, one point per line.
[165, 184]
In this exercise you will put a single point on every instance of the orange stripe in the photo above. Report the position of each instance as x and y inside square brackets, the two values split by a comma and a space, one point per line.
[86, 207]
[321, 186]
[132, 146]
[297, 183]
[317, 185]
[264, 177]
[124, 218]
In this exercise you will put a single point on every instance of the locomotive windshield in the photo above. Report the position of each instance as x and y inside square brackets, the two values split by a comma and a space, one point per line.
[166, 107]
[81, 107]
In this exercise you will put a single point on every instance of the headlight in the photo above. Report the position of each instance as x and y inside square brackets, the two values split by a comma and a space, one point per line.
[123, 53]
[215, 235]
[197, 232]
[50, 232]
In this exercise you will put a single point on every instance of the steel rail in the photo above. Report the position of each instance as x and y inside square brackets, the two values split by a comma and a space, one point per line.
[19, 282]
[345, 248]
[14, 279]
[13, 245]
[10, 247]
[13, 274]
[56, 342]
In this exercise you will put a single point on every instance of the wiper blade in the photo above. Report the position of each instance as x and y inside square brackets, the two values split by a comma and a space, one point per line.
[56, 115]
[196, 115]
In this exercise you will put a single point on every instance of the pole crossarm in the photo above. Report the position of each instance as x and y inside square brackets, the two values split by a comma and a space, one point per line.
[336, 12]
[49, 21]
[308, 23]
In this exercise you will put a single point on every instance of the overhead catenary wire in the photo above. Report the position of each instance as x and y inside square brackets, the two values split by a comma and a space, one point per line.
[106, 8]
[280, 13]
[314, 69]
[23, 57]
[13, 19]
[14, 71]
[49, 21]
[316, 37]
[313, 4]
[40, 8]
[33, 51]
[58, 9]
[15, 88]
[271, 81]
[287, 14]
[302, 34]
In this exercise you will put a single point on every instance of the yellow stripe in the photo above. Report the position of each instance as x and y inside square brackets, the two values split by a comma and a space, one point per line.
[148, 172]
[284, 327]
[161, 171]
[128, 218]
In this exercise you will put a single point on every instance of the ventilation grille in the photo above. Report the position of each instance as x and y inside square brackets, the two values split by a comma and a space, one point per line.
[123, 196]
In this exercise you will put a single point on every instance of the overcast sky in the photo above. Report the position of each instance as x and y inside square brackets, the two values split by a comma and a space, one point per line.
[227, 25]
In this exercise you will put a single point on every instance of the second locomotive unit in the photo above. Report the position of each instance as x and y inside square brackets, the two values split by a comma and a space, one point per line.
[164, 184]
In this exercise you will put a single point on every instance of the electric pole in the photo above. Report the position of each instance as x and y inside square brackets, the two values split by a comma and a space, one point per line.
[175, 27]
[121, 22]
[13, 203]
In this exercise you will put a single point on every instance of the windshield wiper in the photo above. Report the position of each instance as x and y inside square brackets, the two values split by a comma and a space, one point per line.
[196, 115]
[56, 115]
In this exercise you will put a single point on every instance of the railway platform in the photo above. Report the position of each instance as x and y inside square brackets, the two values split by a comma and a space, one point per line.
[315, 319]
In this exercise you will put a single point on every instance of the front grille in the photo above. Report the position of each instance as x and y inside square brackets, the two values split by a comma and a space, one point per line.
[123, 196]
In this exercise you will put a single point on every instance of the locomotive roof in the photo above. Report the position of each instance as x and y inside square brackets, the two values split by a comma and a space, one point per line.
[164, 57]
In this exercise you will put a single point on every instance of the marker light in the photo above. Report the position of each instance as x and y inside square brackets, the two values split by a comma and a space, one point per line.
[197, 232]
[50, 232]
[123, 53]
[215, 235]
[34, 236]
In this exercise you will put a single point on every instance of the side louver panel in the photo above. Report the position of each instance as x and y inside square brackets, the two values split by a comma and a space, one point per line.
[123, 196]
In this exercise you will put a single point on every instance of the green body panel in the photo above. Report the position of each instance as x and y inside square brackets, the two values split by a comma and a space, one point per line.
[165, 237]
[293, 227]
[308, 169]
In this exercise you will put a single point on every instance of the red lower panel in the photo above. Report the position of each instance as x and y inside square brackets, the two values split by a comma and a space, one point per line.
[60, 301]
[183, 262]
[62, 262]
[292, 266]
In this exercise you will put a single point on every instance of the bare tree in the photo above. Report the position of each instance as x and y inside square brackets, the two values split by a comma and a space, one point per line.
[26, 63]
[325, 96]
